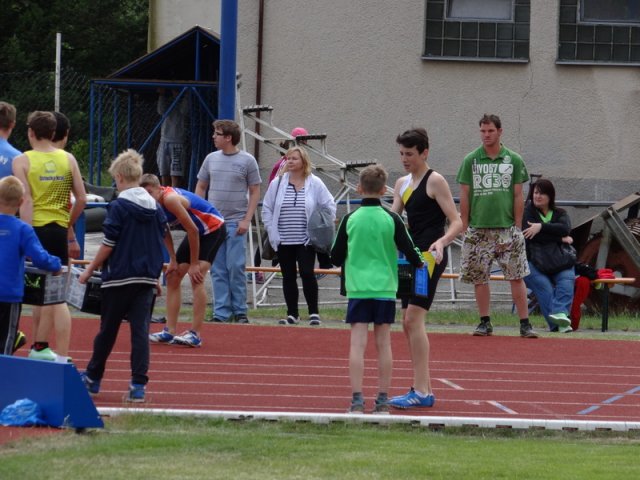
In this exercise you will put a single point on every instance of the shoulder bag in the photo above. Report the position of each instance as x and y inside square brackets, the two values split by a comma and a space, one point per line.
[551, 258]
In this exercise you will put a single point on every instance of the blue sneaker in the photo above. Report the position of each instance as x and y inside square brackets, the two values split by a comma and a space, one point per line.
[161, 337]
[412, 399]
[188, 339]
[136, 393]
[93, 386]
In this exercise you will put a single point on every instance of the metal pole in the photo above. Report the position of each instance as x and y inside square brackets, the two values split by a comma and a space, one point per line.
[56, 100]
[228, 46]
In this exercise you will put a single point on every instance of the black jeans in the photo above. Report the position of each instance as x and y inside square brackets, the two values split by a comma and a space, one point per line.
[304, 258]
[135, 302]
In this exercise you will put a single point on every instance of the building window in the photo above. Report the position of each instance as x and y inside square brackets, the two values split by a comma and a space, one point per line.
[612, 11]
[485, 10]
[596, 32]
[491, 30]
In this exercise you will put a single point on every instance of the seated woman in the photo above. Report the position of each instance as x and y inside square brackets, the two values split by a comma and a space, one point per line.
[544, 228]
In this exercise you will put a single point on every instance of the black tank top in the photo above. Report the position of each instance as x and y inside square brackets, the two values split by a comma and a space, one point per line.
[426, 218]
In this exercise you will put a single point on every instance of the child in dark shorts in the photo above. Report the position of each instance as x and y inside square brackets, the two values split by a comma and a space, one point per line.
[17, 239]
[366, 246]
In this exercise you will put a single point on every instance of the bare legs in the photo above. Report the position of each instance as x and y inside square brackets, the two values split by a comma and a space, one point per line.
[413, 325]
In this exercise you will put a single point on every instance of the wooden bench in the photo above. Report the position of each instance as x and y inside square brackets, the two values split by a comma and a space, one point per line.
[605, 283]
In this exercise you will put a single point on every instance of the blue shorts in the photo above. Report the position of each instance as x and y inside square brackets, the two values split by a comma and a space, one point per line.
[371, 310]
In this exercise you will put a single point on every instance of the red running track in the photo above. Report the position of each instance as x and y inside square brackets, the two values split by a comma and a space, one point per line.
[305, 370]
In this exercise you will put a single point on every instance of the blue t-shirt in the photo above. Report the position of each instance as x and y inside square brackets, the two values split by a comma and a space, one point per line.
[7, 153]
[17, 240]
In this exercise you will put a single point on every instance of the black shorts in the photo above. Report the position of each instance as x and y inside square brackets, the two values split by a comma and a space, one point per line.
[53, 238]
[209, 245]
[425, 302]
[371, 310]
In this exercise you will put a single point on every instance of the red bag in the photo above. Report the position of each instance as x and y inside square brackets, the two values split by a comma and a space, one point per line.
[605, 273]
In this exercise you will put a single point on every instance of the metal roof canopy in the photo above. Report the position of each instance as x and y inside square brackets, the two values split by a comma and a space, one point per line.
[190, 64]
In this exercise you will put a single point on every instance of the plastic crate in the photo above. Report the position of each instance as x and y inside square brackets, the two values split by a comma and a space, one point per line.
[44, 288]
[85, 297]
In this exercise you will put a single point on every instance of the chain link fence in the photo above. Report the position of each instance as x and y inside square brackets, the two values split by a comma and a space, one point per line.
[124, 115]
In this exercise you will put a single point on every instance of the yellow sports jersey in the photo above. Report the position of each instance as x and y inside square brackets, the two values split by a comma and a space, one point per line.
[50, 180]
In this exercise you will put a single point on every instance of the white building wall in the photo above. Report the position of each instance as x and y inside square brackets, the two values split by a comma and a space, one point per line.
[353, 69]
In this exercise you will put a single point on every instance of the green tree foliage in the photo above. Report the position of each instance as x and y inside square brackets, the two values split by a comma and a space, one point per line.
[98, 37]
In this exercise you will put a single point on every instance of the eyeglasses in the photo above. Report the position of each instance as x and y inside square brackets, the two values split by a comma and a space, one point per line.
[218, 134]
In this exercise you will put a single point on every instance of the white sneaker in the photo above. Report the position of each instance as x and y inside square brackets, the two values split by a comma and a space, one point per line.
[46, 354]
[290, 320]
[560, 319]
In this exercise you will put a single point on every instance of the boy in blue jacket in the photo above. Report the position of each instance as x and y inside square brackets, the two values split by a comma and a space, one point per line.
[17, 240]
[131, 256]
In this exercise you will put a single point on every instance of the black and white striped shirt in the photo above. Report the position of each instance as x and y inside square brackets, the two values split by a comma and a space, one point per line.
[292, 223]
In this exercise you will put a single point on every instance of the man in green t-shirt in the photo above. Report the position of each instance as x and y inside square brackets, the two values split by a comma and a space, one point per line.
[491, 207]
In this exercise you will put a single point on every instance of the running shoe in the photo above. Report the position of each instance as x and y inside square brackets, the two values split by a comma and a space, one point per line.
[135, 393]
[526, 331]
[412, 399]
[560, 319]
[381, 408]
[21, 339]
[63, 359]
[188, 338]
[566, 329]
[44, 354]
[242, 318]
[356, 407]
[93, 386]
[161, 337]
[290, 320]
[484, 329]
[314, 319]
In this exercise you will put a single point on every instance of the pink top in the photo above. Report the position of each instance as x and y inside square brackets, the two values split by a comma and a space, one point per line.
[276, 168]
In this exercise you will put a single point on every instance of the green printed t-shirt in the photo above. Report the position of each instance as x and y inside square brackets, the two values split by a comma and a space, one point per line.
[491, 184]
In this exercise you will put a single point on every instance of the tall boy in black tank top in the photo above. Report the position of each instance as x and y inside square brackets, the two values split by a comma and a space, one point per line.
[427, 199]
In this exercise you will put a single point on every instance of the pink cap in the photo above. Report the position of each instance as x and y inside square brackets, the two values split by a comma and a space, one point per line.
[298, 131]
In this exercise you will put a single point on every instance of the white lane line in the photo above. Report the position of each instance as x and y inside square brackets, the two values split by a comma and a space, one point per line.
[502, 407]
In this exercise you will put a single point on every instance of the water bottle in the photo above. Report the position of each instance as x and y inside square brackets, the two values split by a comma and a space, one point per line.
[421, 281]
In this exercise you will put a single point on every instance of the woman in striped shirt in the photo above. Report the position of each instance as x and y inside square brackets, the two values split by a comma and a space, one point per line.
[286, 209]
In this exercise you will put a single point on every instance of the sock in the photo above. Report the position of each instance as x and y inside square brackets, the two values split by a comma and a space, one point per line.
[486, 319]
[39, 346]
[357, 397]
[524, 321]
[382, 397]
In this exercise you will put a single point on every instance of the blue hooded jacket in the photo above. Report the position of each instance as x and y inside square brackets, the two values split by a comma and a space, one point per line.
[135, 229]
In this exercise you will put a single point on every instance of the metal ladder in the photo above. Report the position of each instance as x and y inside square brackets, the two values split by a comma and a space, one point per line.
[323, 163]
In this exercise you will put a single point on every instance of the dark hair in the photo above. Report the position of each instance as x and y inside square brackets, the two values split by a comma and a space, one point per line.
[43, 124]
[545, 187]
[490, 118]
[229, 127]
[62, 126]
[414, 137]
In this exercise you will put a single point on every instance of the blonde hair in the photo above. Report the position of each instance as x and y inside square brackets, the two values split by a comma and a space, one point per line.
[304, 155]
[149, 180]
[11, 191]
[373, 179]
[129, 165]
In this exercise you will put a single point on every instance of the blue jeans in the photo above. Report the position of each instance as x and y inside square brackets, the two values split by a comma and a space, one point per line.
[228, 276]
[554, 292]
